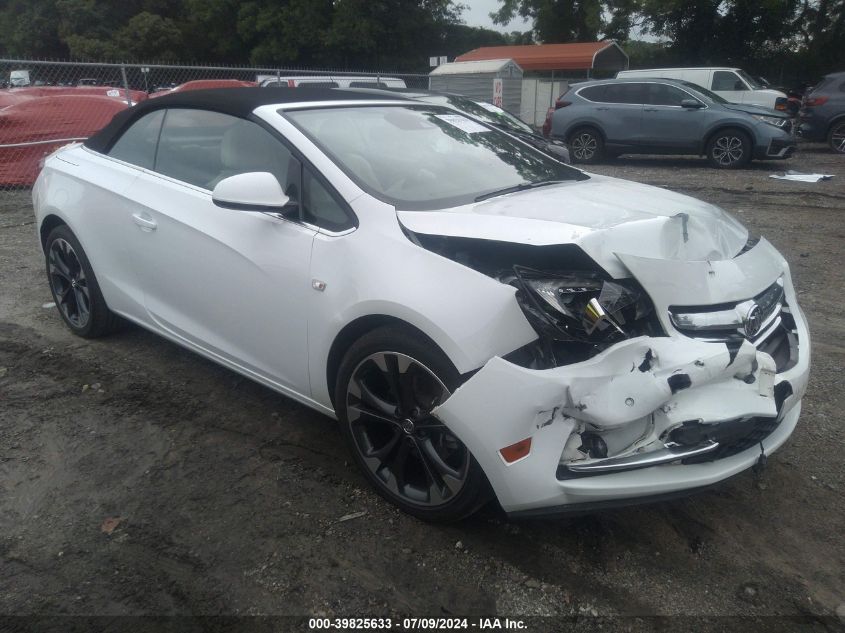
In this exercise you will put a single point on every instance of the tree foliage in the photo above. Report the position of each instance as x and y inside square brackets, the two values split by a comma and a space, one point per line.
[771, 37]
[386, 34]
[791, 37]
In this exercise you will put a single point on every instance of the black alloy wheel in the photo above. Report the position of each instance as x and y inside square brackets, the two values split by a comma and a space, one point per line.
[74, 286]
[388, 383]
[388, 406]
[69, 283]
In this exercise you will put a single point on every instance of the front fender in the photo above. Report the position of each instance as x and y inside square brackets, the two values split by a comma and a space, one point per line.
[376, 270]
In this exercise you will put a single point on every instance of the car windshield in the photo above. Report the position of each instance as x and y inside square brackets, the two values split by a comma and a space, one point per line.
[421, 157]
[705, 92]
[486, 112]
[755, 85]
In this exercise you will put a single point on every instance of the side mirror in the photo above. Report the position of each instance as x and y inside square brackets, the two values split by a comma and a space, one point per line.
[253, 191]
[559, 151]
[738, 85]
[692, 104]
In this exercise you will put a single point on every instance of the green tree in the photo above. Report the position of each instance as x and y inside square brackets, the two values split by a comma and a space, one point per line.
[210, 32]
[556, 21]
[149, 36]
[28, 29]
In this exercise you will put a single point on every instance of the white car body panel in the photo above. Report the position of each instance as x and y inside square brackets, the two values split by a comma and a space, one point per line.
[503, 403]
[161, 247]
[602, 215]
[246, 259]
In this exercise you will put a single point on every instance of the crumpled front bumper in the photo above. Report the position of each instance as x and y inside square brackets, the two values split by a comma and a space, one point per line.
[650, 385]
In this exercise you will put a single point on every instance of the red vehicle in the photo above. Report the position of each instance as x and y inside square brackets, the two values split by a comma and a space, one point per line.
[35, 121]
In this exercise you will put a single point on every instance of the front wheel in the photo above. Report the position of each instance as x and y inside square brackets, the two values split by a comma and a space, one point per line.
[836, 137]
[729, 149]
[388, 383]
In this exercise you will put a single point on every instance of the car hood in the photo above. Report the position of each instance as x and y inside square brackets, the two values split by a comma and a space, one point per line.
[754, 109]
[603, 216]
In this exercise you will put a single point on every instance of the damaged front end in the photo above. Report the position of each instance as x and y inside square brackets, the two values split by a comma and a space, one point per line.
[672, 379]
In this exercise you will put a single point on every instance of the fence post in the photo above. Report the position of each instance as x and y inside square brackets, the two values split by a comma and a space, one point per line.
[278, 77]
[125, 85]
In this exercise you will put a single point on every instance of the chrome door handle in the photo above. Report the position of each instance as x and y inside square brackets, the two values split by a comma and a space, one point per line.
[650, 110]
[603, 108]
[145, 223]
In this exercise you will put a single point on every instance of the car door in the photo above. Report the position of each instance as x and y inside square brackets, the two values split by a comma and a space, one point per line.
[621, 113]
[231, 283]
[108, 209]
[728, 85]
[666, 124]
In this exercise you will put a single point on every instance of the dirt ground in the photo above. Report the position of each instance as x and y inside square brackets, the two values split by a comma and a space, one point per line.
[137, 478]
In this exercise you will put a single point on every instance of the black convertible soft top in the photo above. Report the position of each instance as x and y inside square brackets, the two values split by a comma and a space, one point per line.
[239, 102]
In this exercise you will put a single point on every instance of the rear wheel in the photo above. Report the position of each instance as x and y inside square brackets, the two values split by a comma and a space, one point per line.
[74, 287]
[729, 149]
[388, 383]
[836, 137]
[586, 145]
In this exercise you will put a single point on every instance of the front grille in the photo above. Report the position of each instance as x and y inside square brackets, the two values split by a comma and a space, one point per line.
[757, 429]
[726, 322]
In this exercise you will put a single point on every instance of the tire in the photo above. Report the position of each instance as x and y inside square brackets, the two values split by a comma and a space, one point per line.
[586, 145]
[387, 382]
[729, 149]
[836, 137]
[74, 286]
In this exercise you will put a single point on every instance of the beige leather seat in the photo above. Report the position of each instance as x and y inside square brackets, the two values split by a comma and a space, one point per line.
[246, 147]
[345, 142]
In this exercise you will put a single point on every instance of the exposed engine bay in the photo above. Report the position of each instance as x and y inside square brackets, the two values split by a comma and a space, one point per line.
[576, 309]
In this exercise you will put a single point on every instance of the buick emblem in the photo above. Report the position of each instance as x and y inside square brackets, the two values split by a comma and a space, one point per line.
[753, 321]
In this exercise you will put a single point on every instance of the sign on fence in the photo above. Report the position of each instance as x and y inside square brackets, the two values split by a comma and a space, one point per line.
[498, 92]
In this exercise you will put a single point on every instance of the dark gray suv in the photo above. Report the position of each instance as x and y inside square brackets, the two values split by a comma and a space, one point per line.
[823, 113]
[665, 116]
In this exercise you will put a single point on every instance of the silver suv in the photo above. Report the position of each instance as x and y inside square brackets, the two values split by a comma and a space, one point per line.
[600, 119]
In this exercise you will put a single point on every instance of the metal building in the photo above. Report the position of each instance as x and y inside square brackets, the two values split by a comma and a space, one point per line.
[577, 57]
[497, 81]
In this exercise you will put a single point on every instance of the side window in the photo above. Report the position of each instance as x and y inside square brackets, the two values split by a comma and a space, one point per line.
[320, 206]
[593, 93]
[727, 80]
[202, 148]
[137, 145]
[633, 94]
[666, 95]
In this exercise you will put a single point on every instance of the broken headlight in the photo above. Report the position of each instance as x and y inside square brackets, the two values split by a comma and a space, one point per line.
[583, 307]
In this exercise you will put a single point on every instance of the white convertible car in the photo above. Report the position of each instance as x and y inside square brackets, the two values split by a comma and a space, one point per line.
[482, 319]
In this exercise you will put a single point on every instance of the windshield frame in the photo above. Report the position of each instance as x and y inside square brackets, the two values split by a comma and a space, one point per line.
[749, 80]
[435, 204]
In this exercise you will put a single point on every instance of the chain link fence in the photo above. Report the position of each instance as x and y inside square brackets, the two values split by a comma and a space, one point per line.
[47, 104]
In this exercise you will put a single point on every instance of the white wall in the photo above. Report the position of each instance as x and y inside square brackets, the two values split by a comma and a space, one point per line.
[538, 95]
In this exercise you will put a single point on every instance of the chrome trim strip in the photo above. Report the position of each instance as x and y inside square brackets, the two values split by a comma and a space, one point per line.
[640, 460]
[639, 81]
[722, 320]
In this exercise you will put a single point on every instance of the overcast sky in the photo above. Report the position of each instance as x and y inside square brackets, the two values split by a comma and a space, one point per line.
[478, 14]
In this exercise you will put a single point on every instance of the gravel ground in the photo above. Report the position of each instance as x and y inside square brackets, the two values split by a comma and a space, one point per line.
[137, 478]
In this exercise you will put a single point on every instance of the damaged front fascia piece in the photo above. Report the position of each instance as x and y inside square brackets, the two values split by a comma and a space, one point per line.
[650, 384]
